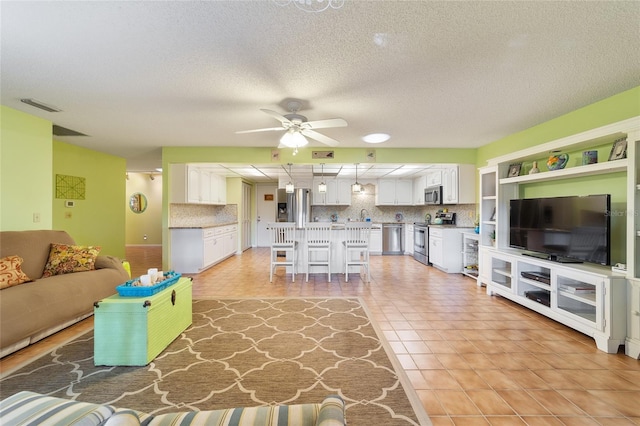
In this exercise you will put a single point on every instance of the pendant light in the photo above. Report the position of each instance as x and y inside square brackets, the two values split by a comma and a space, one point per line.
[289, 186]
[356, 188]
[322, 187]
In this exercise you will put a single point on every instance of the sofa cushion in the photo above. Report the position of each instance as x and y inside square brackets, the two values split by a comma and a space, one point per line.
[11, 272]
[329, 413]
[66, 258]
[29, 408]
[33, 247]
[123, 418]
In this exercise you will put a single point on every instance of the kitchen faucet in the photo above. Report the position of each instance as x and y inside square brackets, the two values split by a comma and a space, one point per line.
[363, 216]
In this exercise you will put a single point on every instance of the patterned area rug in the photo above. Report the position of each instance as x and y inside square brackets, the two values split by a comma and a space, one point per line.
[245, 352]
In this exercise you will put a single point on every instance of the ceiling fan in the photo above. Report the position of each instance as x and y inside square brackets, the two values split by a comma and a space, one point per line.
[298, 128]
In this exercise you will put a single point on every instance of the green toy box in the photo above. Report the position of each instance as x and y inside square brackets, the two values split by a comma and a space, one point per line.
[135, 330]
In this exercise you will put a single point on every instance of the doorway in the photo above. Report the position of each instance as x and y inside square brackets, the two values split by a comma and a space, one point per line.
[267, 198]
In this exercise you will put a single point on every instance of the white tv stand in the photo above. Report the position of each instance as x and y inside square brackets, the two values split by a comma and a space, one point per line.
[586, 298]
[607, 305]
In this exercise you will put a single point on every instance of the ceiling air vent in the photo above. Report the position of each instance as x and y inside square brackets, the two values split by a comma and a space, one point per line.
[63, 131]
[41, 105]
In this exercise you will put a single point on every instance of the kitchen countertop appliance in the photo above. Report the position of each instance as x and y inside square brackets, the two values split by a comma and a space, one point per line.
[445, 218]
[421, 242]
[392, 238]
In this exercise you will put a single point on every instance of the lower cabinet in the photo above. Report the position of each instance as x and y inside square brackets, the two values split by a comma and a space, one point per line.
[586, 298]
[195, 249]
[375, 239]
[445, 246]
[632, 348]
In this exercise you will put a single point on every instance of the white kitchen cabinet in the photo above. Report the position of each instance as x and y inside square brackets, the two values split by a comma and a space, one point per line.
[445, 246]
[459, 184]
[375, 239]
[587, 298]
[193, 184]
[434, 178]
[195, 249]
[338, 192]
[408, 239]
[419, 185]
[394, 192]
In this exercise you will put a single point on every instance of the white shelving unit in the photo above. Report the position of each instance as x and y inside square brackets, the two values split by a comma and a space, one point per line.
[470, 259]
[591, 299]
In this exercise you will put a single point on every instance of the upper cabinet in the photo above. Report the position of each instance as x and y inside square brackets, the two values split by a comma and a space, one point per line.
[459, 184]
[394, 192]
[338, 192]
[419, 185]
[434, 177]
[193, 184]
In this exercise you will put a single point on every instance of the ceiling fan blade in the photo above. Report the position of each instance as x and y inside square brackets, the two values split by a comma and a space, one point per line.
[319, 137]
[269, 129]
[323, 124]
[281, 118]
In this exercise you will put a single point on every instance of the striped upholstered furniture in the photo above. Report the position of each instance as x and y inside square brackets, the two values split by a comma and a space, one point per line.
[29, 408]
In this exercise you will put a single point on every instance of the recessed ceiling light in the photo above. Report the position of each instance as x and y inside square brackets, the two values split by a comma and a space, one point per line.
[376, 138]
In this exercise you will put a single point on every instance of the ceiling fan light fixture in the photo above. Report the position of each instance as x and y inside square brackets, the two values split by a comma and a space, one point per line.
[293, 139]
[376, 137]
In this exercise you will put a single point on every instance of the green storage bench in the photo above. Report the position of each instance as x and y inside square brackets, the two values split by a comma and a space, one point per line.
[134, 330]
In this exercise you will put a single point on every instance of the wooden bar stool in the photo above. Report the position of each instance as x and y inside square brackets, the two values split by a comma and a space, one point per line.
[282, 236]
[356, 247]
[318, 240]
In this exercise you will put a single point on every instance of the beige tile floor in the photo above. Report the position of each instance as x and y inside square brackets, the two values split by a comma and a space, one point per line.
[473, 359]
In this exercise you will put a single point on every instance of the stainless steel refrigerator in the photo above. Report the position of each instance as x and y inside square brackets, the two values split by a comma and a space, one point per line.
[298, 206]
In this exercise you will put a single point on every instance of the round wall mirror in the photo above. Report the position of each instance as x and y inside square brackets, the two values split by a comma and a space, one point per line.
[138, 202]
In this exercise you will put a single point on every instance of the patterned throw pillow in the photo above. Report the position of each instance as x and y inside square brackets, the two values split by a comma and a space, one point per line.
[11, 272]
[64, 259]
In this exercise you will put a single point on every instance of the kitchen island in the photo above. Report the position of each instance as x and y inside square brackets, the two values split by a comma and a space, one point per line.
[337, 261]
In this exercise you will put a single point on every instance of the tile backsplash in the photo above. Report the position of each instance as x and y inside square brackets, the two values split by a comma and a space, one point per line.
[201, 215]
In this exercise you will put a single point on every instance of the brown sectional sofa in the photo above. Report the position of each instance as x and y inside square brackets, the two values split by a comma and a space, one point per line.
[36, 309]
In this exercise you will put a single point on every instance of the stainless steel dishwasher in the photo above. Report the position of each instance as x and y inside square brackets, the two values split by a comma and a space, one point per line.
[392, 238]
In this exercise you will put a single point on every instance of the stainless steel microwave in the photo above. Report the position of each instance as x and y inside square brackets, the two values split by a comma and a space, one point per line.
[433, 195]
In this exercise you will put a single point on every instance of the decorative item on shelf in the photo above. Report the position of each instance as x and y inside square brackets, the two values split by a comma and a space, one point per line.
[492, 237]
[619, 149]
[589, 157]
[514, 169]
[534, 169]
[557, 161]
[493, 215]
[476, 225]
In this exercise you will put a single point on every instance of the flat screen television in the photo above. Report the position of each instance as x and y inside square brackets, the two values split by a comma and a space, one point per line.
[564, 229]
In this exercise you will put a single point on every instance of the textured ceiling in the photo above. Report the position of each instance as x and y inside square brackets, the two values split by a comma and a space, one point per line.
[136, 76]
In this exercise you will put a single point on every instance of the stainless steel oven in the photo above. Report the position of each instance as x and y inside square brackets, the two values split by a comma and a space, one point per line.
[421, 242]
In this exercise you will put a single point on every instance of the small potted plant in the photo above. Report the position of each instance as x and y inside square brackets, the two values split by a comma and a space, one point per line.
[492, 236]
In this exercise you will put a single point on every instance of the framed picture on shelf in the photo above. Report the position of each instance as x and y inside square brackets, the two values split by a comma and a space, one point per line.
[618, 150]
[514, 170]
[493, 215]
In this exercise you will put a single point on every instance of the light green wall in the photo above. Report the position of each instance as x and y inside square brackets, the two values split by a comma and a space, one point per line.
[99, 219]
[610, 110]
[25, 171]
[149, 222]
